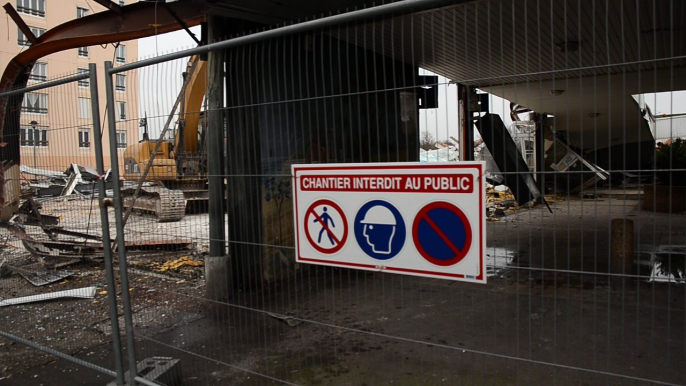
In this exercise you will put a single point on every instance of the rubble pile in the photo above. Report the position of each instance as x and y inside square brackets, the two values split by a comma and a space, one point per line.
[499, 202]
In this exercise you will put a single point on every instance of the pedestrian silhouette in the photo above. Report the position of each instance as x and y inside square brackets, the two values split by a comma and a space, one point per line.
[326, 219]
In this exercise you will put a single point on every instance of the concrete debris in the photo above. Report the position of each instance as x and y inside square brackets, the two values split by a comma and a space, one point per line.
[507, 156]
[445, 154]
[77, 178]
[81, 293]
[158, 370]
[291, 321]
[40, 172]
[38, 277]
[29, 214]
[82, 245]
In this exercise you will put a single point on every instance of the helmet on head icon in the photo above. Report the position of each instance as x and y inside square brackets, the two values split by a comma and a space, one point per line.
[379, 215]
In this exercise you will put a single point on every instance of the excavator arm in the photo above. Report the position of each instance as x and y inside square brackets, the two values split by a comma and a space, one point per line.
[192, 103]
[134, 21]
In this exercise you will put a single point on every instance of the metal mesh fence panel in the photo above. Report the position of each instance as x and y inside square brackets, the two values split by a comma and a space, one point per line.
[557, 98]
[52, 283]
[574, 108]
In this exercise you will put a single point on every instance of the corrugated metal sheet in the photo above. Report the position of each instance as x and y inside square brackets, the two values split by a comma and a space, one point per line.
[670, 128]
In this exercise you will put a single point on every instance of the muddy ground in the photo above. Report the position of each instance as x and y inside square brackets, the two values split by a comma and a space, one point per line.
[537, 321]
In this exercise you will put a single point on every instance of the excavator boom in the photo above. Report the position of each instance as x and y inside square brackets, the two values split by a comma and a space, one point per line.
[133, 22]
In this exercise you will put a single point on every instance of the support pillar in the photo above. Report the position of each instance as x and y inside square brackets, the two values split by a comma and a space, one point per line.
[217, 268]
[541, 122]
[244, 165]
[466, 125]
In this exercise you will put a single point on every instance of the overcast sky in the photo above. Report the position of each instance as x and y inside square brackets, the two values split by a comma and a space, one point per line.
[170, 42]
[159, 85]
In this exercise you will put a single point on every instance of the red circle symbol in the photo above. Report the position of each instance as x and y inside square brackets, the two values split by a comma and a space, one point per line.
[326, 233]
[442, 233]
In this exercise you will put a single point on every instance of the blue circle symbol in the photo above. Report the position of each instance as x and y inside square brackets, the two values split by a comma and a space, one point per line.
[380, 230]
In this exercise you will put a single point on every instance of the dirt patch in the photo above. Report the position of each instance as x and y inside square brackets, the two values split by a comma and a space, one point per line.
[76, 326]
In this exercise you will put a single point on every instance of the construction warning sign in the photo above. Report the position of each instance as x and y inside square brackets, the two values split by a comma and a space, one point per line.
[423, 219]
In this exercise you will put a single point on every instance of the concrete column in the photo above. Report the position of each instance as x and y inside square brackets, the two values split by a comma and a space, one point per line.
[622, 246]
[466, 126]
[541, 122]
[243, 163]
[217, 269]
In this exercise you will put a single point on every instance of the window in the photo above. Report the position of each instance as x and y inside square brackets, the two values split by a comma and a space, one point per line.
[121, 139]
[31, 7]
[83, 82]
[34, 103]
[84, 138]
[81, 12]
[22, 40]
[121, 111]
[120, 54]
[121, 82]
[84, 108]
[83, 52]
[34, 137]
[39, 72]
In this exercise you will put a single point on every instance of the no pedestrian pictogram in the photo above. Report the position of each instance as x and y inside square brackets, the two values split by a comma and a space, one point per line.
[326, 226]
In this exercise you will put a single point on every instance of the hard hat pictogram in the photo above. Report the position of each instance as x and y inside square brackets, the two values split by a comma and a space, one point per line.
[379, 215]
[380, 230]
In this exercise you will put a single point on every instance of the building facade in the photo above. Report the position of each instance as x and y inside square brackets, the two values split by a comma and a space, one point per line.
[56, 123]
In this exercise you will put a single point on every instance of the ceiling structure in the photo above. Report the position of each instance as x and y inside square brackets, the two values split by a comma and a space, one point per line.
[579, 61]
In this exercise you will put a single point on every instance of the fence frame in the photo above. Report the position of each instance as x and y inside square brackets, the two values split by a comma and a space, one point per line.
[91, 76]
[110, 72]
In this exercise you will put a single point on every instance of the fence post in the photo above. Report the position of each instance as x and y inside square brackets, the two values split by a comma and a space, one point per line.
[118, 210]
[109, 271]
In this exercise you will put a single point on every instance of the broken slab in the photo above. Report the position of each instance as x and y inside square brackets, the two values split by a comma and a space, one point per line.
[88, 246]
[80, 293]
[38, 278]
[163, 370]
[508, 158]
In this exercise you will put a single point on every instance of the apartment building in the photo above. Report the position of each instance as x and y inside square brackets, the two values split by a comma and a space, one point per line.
[56, 123]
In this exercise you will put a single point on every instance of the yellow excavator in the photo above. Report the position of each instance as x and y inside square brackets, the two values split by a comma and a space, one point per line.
[178, 169]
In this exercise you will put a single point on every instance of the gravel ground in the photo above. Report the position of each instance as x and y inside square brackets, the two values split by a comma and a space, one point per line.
[338, 326]
[75, 326]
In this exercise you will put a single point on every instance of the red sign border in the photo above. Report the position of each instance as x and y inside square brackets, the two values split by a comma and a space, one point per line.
[481, 277]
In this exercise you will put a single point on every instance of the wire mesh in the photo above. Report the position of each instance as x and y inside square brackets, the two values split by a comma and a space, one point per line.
[568, 298]
[52, 244]
[564, 102]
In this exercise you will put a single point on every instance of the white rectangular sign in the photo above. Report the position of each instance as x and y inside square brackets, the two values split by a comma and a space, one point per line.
[423, 219]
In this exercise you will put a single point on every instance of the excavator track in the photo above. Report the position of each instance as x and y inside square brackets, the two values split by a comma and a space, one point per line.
[166, 204]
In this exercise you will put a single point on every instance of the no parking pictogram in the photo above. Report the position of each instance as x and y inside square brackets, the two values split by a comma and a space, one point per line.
[326, 226]
[442, 233]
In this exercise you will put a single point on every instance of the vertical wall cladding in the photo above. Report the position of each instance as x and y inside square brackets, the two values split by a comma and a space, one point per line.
[308, 98]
